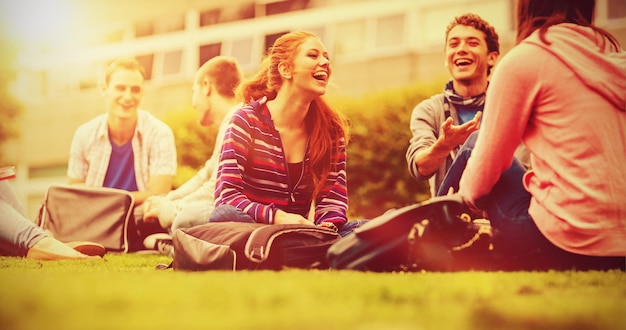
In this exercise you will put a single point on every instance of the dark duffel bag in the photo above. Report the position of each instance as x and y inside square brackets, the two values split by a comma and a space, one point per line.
[423, 236]
[251, 246]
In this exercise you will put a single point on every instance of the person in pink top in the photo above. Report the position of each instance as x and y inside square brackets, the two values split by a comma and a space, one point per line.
[562, 92]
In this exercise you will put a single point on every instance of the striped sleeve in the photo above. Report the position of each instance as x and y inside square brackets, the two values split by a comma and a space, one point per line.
[234, 157]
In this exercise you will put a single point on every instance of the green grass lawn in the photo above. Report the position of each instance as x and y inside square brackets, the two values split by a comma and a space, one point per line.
[127, 292]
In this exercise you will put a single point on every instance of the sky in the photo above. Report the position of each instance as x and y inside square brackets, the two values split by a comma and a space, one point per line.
[52, 23]
[32, 22]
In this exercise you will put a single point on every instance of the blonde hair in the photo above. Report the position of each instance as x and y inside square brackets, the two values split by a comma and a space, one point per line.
[130, 63]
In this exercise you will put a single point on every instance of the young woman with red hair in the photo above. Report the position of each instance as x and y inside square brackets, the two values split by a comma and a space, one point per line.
[286, 149]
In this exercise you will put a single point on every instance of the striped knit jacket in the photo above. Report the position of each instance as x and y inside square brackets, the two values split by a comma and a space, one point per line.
[253, 174]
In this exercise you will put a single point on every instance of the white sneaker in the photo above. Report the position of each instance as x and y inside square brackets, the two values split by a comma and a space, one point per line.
[165, 247]
[150, 242]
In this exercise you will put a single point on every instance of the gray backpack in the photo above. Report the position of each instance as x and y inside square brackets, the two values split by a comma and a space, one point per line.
[96, 214]
[251, 246]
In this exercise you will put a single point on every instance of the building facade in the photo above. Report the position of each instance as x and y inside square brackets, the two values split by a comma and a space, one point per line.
[374, 45]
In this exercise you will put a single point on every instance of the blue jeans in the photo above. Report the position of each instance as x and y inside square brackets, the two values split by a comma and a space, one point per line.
[518, 243]
[225, 213]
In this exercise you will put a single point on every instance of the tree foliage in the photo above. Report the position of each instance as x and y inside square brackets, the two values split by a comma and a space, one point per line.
[378, 176]
[9, 106]
[194, 143]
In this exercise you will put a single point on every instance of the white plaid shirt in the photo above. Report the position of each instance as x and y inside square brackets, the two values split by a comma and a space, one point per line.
[153, 145]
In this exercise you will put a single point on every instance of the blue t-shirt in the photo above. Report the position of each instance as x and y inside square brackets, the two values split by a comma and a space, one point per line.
[467, 113]
[121, 170]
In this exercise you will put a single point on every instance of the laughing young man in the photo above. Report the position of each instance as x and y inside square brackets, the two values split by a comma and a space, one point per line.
[125, 148]
[443, 122]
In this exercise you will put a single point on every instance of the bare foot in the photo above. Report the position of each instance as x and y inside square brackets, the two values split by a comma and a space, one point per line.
[49, 248]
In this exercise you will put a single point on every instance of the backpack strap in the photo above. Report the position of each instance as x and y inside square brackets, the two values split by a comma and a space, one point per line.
[161, 266]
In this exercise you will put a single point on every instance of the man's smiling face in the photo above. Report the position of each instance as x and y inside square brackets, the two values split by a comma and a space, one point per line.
[123, 93]
[467, 55]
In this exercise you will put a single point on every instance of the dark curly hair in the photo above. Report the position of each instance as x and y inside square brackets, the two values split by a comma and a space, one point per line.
[475, 21]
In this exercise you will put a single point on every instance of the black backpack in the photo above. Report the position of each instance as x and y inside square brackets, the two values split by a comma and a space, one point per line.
[436, 235]
[251, 246]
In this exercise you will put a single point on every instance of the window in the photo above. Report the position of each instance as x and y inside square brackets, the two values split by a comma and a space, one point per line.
[493, 12]
[225, 14]
[512, 15]
[170, 23]
[210, 17]
[434, 23]
[242, 50]
[616, 9]
[235, 13]
[114, 36]
[172, 62]
[147, 61]
[285, 6]
[350, 38]
[320, 31]
[270, 39]
[390, 31]
[143, 29]
[207, 52]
